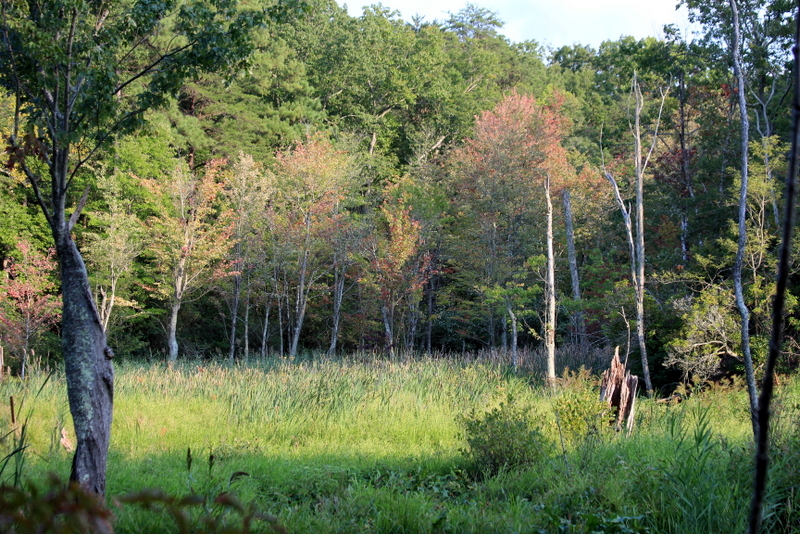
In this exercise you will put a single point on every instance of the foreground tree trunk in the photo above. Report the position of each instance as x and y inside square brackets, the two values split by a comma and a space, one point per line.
[778, 318]
[87, 362]
[61, 61]
[87, 357]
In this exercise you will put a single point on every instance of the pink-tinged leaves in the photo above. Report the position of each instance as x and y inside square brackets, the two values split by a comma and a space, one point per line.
[29, 303]
[191, 232]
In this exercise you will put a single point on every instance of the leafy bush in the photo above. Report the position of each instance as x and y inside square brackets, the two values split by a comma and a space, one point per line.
[503, 438]
[580, 414]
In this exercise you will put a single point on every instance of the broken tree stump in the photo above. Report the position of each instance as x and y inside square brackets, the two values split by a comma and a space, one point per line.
[618, 388]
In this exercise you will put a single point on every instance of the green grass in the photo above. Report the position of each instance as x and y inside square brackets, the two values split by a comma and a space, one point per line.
[375, 446]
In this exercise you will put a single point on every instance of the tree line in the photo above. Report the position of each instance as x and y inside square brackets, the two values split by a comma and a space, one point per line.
[370, 183]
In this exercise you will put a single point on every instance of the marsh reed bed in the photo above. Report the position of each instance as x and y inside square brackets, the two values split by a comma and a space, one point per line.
[363, 444]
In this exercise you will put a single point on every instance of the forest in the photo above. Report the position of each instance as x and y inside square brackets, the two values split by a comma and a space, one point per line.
[279, 186]
[374, 184]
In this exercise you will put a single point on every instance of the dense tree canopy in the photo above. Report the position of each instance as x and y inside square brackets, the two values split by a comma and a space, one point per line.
[380, 183]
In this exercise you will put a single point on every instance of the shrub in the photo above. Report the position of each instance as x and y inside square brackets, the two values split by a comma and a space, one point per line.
[503, 438]
[580, 414]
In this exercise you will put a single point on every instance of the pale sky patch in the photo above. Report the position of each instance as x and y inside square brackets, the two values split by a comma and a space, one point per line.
[556, 23]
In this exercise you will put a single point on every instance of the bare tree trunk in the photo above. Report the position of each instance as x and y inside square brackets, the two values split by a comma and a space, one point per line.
[172, 332]
[626, 217]
[514, 353]
[388, 321]
[302, 292]
[578, 318]
[246, 320]
[338, 294]
[410, 334]
[640, 261]
[429, 322]
[299, 306]
[237, 289]
[107, 303]
[550, 290]
[179, 286]
[280, 325]
[503, 334]
[265, 332]
[741, 305]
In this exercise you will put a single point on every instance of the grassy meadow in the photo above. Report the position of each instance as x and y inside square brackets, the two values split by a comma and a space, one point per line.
[369, 445]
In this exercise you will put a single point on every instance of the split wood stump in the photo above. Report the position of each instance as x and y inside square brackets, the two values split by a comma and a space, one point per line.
[618, 388]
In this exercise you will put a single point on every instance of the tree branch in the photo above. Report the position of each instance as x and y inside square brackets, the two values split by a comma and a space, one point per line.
[150, 68]
[78, 209]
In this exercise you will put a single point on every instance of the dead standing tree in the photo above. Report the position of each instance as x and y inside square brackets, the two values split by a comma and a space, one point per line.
[636, 241]
[618, 387]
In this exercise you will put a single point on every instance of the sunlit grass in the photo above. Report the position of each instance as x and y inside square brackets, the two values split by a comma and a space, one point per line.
[375, 446]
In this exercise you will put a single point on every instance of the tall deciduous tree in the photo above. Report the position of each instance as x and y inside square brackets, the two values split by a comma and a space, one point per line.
[498, 176]
[248, 192]
[190, 238]
[111, 252]
[398, 269]
[82, 71]
[313, 178]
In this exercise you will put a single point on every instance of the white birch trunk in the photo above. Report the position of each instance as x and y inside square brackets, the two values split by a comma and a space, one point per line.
[741, 305]
[550, 291]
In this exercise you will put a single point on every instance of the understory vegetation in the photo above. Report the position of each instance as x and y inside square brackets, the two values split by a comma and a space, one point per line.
[425, 445]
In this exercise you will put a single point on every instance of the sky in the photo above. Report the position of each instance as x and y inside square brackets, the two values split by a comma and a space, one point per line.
[554, 23]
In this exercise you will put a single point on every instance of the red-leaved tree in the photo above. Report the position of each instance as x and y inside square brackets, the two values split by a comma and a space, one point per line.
[29, 303]
[398, 267]
[501, 175]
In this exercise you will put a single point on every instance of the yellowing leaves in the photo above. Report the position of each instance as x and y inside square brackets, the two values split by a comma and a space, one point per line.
[191, 231]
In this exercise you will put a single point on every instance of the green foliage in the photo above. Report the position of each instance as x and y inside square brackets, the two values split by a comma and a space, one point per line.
[503, 438]
[693, 501]
[709, 334]
[580, 414]
[195, 514]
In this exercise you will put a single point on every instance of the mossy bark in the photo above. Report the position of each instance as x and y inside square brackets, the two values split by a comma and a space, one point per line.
[89, 372]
